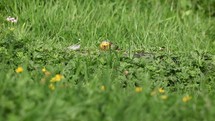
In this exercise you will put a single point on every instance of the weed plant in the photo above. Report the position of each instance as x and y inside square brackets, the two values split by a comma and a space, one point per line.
[161, 69]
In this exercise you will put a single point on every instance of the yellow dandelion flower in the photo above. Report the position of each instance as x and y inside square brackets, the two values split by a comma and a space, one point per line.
[57, 78]
[105, 45]
[19, 70]
[138, 89]
[44, 69]
[103, 88]
[186, 98]
[161, 90]
[163, 97]
[51, 86]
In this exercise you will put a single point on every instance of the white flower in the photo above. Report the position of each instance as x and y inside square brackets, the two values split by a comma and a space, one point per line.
[12, 19]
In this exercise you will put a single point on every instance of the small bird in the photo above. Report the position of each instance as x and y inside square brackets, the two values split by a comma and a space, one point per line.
[74, 47]
[106, 45]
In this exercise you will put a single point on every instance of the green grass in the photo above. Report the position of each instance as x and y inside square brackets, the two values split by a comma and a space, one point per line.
[163, 44]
